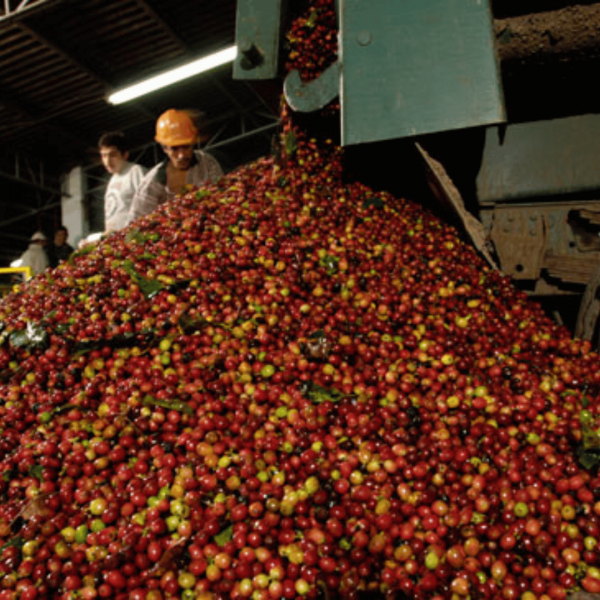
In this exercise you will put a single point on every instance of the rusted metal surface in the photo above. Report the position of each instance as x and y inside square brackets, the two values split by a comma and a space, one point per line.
[583, 596]
[519, 237]
[571, 269]
[593, 216]
[548, 242]
[568, 31]
[589, 310]
[449, 197]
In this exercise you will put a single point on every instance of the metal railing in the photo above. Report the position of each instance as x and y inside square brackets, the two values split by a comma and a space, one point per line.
[13, 287]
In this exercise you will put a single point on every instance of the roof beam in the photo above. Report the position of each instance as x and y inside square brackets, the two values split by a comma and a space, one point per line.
[32, 114]
[79, 64]
[82, 66]
[13, 236]
[30, 213]
[24, 174]
[24, 8]
[146, 6]
[15, 104]
[260, 98]
[242, 136]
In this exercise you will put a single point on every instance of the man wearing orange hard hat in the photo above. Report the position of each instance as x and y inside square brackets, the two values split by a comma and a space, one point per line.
[184, 166]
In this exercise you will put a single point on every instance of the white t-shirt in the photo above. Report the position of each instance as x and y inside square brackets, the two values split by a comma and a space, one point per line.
[119, 194]
[153, 191]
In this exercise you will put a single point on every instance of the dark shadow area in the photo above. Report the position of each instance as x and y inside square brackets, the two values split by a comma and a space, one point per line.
[551, 90]
[397, 166]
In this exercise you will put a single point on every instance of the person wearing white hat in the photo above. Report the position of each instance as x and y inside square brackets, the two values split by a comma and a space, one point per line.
[35, 256]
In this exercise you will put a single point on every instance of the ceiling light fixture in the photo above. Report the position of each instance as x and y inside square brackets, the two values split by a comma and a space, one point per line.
[175, 75]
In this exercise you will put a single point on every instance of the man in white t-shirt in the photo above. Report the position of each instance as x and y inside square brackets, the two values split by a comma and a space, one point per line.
[125, 180]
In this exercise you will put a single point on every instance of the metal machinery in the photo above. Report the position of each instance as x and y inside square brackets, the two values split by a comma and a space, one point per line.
[414, 69]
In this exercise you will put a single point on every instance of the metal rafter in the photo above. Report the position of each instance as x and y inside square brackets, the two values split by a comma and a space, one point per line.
[225, 92]
[14, 11]
[246, 134]
[14, 236]
[30, 113]
[67, 56]
[30, 213]
[168, 30]
[145, 5]
[24, 173]
[175, 37]
[84, 67]
[15, 104]
[255, 93]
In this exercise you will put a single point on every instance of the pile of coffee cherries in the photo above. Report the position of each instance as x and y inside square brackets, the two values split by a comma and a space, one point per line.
[283, 385]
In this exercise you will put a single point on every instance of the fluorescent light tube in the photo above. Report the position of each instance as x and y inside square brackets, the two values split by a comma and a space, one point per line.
[175, 75]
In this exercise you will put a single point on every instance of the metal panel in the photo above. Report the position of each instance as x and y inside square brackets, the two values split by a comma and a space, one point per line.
[417, 66]
[520, 238]
[554, 243]
[543, 158]
[257, 37]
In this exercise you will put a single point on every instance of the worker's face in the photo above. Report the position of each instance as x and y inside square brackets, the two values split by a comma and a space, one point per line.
[180, 156]
[113, 159]
[60, 237]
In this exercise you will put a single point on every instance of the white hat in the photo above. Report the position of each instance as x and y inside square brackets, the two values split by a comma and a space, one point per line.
[38, 235]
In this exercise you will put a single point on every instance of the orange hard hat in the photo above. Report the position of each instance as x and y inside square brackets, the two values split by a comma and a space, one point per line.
[175, 128]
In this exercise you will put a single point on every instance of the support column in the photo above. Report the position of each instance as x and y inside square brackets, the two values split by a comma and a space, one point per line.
[73, 205]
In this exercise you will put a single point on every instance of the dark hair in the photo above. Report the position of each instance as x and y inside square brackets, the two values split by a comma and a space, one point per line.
[113, 138]
[61, 228]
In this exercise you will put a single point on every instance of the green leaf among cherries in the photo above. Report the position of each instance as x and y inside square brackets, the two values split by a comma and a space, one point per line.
[224, 536]
[148, 287]
[178, 405]
[318, 394]
[16, 542]
[589, 447]
[33, 336]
